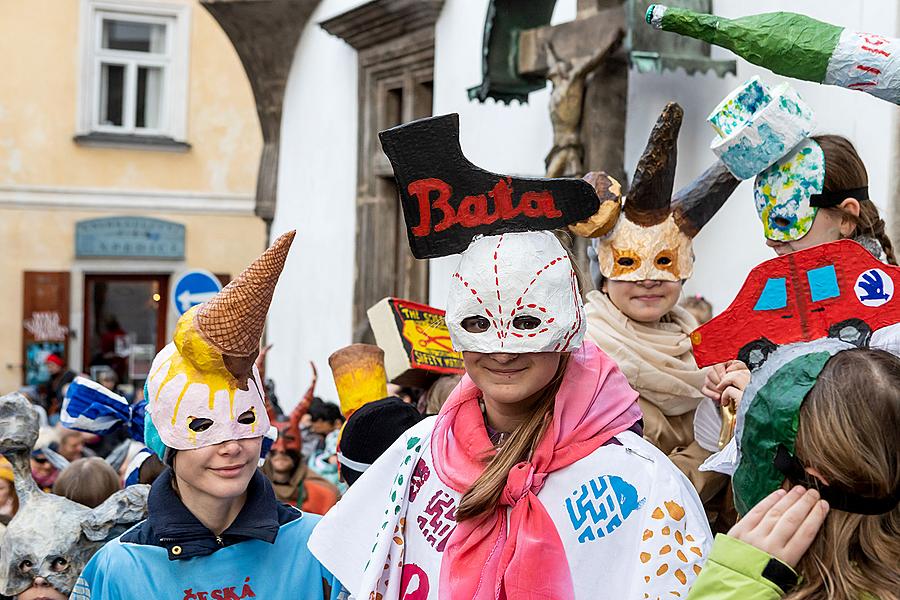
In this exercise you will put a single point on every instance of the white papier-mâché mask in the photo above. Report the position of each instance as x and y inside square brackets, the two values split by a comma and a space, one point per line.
[191, 410]
[515, 293]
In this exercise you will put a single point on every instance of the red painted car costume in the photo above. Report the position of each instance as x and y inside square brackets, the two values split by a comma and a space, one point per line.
[837, 289]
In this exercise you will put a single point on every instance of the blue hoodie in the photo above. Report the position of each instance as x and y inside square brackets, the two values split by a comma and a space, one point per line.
[173, 556]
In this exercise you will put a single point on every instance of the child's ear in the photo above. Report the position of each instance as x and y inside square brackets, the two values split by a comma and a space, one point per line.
[815, 473]
[849, 214]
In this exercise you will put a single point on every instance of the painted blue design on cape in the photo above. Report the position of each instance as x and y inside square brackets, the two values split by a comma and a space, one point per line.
[600, 506]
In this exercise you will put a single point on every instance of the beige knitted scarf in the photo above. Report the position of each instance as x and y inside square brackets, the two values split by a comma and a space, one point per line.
[656, 358]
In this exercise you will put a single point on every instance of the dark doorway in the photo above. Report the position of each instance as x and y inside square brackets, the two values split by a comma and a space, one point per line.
[124, 323]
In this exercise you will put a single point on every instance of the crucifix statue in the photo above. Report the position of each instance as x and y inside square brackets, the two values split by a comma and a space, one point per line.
[589, 73]
[567, 105]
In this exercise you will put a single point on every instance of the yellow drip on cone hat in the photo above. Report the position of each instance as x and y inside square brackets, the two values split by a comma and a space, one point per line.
[203, 387]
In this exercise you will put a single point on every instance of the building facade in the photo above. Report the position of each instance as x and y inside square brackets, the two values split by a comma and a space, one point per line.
[349, 79]
[129, 145]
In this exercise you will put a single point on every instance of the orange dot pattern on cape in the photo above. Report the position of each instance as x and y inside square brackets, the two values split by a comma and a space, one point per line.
[668, 550]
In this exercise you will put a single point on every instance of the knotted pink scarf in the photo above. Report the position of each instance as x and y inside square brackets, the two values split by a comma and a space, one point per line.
[484, 561]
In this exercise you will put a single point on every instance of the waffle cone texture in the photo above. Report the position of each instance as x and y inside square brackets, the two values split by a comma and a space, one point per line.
[234, 319]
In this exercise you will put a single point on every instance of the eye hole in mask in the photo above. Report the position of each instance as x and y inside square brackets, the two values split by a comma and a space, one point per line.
[247, 417]
[475, 324]
[782, 222]
[624, 262]
[26, 566]
[199, 424]
[59, 564]
[665, 260]
[526, 322]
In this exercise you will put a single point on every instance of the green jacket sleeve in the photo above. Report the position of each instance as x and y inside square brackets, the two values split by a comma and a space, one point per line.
[734, 572]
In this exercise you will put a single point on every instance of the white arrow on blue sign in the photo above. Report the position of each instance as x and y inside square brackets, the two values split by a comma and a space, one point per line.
[194, 287]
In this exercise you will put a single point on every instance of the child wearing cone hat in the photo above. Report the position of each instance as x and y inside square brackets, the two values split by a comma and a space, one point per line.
[215, 528]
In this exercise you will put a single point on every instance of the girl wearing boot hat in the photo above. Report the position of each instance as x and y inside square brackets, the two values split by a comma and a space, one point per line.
[533, 481]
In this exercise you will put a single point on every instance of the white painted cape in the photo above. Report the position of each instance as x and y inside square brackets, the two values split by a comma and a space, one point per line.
[631, 524]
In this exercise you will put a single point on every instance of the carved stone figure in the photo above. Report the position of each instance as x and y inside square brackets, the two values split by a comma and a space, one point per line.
[51, 536]
[566, 108]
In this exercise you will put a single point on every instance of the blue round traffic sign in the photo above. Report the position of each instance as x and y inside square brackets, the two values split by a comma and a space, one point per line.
[194, 287]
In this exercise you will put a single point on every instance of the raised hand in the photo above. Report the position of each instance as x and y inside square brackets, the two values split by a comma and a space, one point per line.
[784, 524]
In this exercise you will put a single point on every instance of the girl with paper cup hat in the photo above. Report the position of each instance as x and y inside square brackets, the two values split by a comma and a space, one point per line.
[214, 528]
[635, 318]
[533, 481]
[808, 189]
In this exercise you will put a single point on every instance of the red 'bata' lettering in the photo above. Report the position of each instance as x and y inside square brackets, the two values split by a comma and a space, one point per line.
[434, 194]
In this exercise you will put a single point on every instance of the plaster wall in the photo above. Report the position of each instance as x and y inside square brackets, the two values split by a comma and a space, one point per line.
[40, 57]
[311, 315]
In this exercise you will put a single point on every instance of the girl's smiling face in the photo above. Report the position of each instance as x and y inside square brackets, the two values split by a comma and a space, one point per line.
[222, 471]
[507, 378]
[644, 301]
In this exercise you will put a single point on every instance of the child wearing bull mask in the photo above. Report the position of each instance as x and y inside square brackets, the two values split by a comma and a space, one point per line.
[215, 528]
[634, 317]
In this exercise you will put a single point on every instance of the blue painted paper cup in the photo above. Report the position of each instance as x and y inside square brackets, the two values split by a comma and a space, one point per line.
[739, 107]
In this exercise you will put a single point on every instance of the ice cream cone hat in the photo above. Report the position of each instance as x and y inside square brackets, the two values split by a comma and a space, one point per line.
[203, 387]
[359, 376]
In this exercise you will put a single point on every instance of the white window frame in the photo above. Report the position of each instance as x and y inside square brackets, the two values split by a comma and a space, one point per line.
[175, 62]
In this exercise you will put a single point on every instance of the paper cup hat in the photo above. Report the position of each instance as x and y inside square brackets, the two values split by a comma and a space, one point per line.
[359, 376]
[757, 126]
[763, 133]
[203, 387]
[651, 238]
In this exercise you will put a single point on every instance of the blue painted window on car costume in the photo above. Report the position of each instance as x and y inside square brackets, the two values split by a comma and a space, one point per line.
[774, 295]
[823, 283]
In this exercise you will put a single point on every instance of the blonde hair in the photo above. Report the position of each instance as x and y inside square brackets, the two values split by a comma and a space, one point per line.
[87, 481]
[848, 433]
[485, 493]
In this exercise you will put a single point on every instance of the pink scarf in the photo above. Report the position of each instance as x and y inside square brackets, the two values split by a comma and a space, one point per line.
[485, 561]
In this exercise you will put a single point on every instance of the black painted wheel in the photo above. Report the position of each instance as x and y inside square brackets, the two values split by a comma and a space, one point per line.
[756, 352]
[852, 331]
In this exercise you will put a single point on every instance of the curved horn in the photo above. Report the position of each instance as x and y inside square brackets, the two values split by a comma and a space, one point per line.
[648, 200]
[696, 203]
